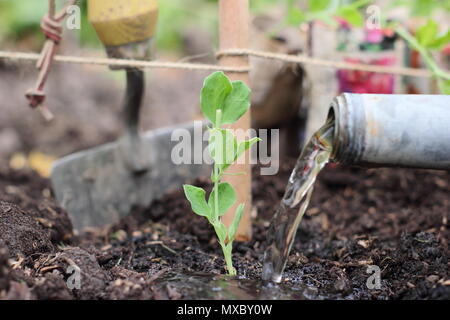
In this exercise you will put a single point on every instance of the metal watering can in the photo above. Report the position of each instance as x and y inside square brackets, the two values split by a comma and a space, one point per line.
[383, 130]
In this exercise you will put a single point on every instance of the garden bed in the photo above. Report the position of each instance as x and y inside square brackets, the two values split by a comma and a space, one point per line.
[396, 219]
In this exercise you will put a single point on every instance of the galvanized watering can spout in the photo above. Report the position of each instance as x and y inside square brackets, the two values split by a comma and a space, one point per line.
[378, 130]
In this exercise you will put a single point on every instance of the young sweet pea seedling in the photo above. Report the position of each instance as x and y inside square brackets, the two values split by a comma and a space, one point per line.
[222, 102]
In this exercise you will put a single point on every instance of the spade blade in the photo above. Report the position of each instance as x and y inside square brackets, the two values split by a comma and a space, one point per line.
[96, 188]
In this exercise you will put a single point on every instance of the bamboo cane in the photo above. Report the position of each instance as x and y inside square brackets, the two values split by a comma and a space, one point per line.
[234, 34]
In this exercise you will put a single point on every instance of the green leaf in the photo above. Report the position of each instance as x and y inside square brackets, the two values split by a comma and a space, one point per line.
[221, 231]
[196, 197]
[222, 146]
[319, 5]
[358, 4]
[245, 145]
[422, 8]
[242, 147]
[439, 42]
[218, 92]
[326, 18]
[427, 33]
[296, 17]
[236, 103]
[216, 89]
[235, 224]
[444, 86]
[227, 197]
[351, 15]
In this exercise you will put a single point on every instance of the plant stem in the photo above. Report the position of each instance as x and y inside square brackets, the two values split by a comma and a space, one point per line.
[229, 262]
[216, 171]
[225, 249]
[431, 64]
[216, 193]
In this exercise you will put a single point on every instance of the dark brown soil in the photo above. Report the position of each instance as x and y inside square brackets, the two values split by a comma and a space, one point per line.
[396, 219]
[32, 194]
[21, 233]
[4, 270]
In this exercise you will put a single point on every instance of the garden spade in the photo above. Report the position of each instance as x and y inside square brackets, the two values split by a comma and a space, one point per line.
[102, 185]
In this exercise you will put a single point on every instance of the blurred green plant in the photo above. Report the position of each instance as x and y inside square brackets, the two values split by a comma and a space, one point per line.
[427, 37]
[423, 8]
[19, 18]
[426, 40]
[175, 16]
[326, 11]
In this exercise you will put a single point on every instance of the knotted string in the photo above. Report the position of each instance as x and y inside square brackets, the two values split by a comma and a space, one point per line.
[51, 26]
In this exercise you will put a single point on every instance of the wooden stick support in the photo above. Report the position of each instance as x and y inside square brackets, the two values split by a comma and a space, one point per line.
[234, 34]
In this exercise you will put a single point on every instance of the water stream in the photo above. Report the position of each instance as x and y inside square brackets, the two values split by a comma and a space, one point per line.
[315, 155]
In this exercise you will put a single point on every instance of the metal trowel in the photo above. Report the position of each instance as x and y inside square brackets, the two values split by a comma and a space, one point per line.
[102, 185]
